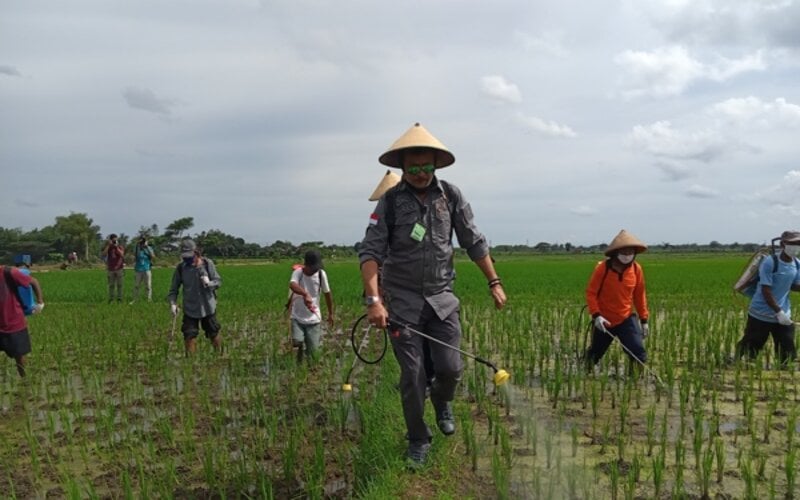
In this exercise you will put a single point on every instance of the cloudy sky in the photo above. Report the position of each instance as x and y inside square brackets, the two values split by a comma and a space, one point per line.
[570, 120]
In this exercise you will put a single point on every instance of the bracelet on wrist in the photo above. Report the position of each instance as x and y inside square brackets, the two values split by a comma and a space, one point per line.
[493, 283]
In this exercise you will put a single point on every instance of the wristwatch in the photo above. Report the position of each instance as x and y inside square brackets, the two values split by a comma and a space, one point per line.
[372, 300]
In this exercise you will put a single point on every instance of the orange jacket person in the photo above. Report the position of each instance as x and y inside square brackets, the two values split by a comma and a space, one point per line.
[614, 290]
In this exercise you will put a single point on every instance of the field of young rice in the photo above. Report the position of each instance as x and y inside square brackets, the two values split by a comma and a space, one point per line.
[112, 408]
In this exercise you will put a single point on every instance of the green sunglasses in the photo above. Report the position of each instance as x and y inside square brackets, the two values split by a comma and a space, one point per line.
[428, 168]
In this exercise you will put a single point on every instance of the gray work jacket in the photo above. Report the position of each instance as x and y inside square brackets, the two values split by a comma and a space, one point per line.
[415, 272]
[199, 301]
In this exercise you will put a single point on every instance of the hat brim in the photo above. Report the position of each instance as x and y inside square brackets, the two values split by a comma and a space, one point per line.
[637, 248]
[414, 138]
[186, 255]
[444, 158]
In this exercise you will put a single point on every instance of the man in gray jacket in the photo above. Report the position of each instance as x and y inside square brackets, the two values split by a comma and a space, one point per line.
[409, 235]
[199, 278]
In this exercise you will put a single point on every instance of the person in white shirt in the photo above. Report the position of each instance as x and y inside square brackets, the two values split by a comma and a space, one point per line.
[308, 284]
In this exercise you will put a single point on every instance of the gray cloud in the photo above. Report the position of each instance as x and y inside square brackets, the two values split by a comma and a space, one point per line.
[698, 191]
[674, 171]
[146, 100]
[9, 70]
[300, 96]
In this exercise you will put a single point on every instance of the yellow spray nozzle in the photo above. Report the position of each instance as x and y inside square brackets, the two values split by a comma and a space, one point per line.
[501, 377]
[347, 387]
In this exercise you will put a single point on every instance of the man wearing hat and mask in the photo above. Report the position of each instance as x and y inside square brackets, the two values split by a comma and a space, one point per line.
[410, 236]
[617, 286]
[770, 311]
[308, 283]
[199, 278]
[388, 181]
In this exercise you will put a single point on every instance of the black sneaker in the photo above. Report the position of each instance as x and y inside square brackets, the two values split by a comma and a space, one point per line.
[444, 417]
[416, 454]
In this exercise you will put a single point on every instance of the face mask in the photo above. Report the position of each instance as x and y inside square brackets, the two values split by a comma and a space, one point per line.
[791, 250]
[625, 259]
[188, 261]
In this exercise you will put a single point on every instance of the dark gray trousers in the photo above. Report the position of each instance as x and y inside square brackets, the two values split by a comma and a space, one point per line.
[447, 364]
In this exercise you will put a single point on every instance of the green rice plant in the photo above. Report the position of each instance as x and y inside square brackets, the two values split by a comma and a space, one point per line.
[629, 488]
[506, 448]
[680, 454]
[650, 429]
[315, 474]
[548, 448]
[705, 472]
[748, 476]
[790, 470]
[574, 435]
[698, 438]
[719, 454]
[791, 426]
[613, 476]
[500, 475]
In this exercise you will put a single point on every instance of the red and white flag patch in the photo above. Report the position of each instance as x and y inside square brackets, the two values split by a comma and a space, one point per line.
[373, 219]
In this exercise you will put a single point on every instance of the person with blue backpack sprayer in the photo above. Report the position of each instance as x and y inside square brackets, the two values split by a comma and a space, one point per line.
[770, 310]
[15, 340]
[25, 293]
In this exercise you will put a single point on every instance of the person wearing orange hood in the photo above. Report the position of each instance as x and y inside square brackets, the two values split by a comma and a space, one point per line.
[616, 287]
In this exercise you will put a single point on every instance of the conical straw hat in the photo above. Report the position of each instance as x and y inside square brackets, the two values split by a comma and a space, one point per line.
[625, 239]
[417, 137]
[387, 182]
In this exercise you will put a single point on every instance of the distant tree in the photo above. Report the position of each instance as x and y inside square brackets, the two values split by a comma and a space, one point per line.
[76, 230]
[178, 227]
[542, 246]
[173, 233]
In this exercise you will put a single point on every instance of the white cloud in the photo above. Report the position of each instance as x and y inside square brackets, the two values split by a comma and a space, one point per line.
[752, 111]
[544, 127]
[146, 100]
[725, 68]
[698, 191]
[583, 210]
[548, 43]
[497, 87]
[784, 195]
[669, 71]
[660, 139]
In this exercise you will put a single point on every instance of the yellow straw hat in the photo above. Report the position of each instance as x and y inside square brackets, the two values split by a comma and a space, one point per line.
[417, 137]
[625, 239]
[387, 182]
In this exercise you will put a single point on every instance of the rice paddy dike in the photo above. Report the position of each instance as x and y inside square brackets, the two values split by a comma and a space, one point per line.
[112, 408]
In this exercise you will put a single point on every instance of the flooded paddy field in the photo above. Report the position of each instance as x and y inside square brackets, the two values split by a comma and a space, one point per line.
[111, 406]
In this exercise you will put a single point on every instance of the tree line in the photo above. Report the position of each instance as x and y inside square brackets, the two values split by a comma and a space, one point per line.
[78, 233]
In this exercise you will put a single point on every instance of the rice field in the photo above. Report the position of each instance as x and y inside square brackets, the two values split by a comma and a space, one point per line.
[112, 408]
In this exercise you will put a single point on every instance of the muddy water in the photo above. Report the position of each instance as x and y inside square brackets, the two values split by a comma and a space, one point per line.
[566, 452]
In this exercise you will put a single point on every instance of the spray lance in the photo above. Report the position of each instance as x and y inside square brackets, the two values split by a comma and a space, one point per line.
[500, 376]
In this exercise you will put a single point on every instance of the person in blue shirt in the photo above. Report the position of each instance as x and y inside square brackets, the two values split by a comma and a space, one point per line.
[144, 256]
[770, 311]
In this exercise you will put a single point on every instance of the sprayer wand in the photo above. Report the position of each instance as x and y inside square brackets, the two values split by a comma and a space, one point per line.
[500, 376]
